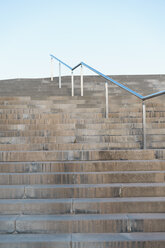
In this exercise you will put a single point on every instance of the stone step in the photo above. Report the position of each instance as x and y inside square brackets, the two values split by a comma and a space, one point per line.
[40, 143]
[77, 142]
[82, 177]
[80, 146]
[84, 240]
[78, 100]
[41, 121]
[69, 146]
[125, 123]
[66, 104]
[115, 105]
[23, 127]
[156, 137]
[67, 126]
[104, 223]
[40, 91]
[96, 108]
[78, 126]
[59, 100]
[78, 132]
[71, 155]
[77, 113]
[83, 206]
[36, 240]
[83, 166]
[26, 119]
[64, 99]
[100, 95]
[52, 115]
[77, 104]
[52, 98]
[122, 102]
[118, 141]
[96, 145]
[81, 132]
[68, 107]
[38, 111]
[59, 191]
[15, 98]
[156, 145]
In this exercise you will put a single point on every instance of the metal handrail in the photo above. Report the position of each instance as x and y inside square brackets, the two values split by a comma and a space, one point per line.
[109, 79]
[143, 98]
[60, 61]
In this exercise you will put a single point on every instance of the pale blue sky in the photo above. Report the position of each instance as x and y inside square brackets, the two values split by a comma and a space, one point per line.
[114, 36]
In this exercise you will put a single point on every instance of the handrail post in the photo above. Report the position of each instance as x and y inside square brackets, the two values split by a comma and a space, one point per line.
[82, 90]
[106, 99]
[144, 124]
[51, 69]
[72, 81]
[59, 75]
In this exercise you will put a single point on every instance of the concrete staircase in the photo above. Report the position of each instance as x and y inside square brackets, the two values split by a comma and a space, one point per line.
[69, 178]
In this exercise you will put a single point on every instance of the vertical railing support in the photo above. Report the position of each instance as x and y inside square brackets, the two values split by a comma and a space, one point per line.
[82, 87]
[60, 75]
[51, 69]
[72, 81]
[106, 99]
[144, 124]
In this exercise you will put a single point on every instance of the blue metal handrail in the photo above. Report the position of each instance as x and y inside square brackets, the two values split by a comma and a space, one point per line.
[109, 79]
[60, 61]
[143, 98]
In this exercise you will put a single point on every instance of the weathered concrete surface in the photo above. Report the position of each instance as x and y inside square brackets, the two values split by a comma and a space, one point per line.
[69, 178]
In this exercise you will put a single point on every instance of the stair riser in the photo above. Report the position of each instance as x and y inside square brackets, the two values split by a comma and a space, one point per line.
[76, 207]
[64, 109]
[101, 192]
[78, 146]
[83, 244]
[80, 226]
[51, 126]
[119, 141]
[81, 155]
[117, 244]
[38, 244]
[75, 104]
[78, 166]
[64, 147]
[69, 192]
[55, 115]
[85, 135]
[18, 179]
[55, 120]
[72, 132]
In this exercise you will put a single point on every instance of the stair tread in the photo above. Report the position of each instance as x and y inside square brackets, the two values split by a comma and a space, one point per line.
[85, 162]
[72, 217]
[49, 186]
[80, 237]
[84, 173]
[83, 200]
